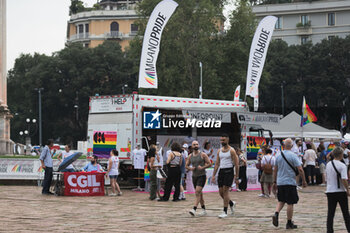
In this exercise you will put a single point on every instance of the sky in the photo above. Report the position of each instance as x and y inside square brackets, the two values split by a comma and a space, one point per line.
[37, 26]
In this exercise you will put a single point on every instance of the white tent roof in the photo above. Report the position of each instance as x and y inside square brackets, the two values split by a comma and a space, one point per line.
[290, 127]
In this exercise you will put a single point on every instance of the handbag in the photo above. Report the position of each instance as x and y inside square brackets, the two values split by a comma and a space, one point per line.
[294, 169]
[161, 174]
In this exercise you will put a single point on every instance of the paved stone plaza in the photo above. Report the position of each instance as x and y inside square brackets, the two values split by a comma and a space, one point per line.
[24, 209]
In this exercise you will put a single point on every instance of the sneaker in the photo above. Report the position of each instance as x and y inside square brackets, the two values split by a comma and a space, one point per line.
[192, 212]
[157, 199]
[233, 208]
[222, 215]
[119, 194]
[238, 190]
[183, 199]
[267, 195]
[112, 194]
[275, 220]
[175, 200]
[203, 213]
[299, 188]
[291, 226]
[322, 184]
[261, 195]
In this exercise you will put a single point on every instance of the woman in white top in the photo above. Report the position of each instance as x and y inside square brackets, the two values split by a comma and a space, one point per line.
[310, 157]
[113, 166]
[63, 155]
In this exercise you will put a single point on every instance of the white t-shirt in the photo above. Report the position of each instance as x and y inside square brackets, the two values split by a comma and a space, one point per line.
[268, 159]
[139, 158]
[310, 157]
[114, 169]
[332, 184]
[346, 160]
[66, 154]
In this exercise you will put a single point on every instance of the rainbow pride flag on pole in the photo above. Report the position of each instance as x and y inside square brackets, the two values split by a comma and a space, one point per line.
[308, 116]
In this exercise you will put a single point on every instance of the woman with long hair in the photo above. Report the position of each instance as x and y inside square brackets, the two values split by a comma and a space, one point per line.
[113, 172]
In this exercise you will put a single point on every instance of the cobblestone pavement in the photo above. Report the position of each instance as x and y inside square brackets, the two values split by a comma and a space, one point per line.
[24, 209]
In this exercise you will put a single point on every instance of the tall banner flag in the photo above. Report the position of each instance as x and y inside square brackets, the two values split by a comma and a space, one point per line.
[237, 93]
[256, 101]
[343, 121]
[308, 116]
[258, 51]
[151, 43]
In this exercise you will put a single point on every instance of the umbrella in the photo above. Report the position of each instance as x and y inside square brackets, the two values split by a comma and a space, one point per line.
[70, 159]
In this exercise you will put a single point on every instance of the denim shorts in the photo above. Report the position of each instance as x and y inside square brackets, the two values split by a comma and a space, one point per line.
[113, 176]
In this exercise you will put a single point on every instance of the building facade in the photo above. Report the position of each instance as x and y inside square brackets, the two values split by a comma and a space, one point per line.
[6, 145]
[301, 22]
[114, 21]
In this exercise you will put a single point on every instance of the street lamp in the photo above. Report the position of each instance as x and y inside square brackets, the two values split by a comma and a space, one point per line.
[200, 87]
[123, 88]
[40, 119]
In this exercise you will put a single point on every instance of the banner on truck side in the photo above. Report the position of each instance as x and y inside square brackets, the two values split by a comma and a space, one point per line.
[151, 43]
[258, 51]
[258, 118]
[101, 104]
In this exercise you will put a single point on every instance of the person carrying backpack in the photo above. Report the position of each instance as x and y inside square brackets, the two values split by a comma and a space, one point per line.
[267, 164]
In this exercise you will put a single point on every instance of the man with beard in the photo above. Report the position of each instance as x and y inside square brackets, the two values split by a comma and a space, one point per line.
[199, 161]
[225, 160]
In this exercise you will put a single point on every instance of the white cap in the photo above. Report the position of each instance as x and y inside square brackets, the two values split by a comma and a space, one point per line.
[185, 146]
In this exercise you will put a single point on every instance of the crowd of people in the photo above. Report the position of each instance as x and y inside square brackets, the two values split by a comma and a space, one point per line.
[281, 173]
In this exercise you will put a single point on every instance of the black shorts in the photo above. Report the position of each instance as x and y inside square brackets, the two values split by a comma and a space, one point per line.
[225, 177]
[287, 194]
[199, 181]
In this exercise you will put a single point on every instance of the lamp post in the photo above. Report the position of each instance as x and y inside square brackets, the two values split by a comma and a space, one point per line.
[40, 117]
[282, 95]
[200, 87]
[123, 88]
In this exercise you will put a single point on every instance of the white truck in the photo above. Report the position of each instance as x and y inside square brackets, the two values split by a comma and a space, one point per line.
[123, 121]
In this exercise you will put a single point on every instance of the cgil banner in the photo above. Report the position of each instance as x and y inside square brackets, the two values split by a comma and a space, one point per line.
[237, 93]
[84, 184]
[258, 51]
[151, 43]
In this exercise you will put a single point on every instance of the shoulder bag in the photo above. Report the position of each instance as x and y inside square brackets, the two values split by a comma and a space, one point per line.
[294, 169]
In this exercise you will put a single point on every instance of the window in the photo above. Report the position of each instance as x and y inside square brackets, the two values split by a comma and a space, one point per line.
[304, 20]
[278, 24]
[81, 29]
[331, 37]
[114, 29]
[86, 45]
[304, 39]
[86, 28]
[134, 28]
[331, 19]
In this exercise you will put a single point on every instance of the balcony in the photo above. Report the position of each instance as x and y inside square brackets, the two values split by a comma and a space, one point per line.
[304, 28]
[113, 35]
[79, 36]
[133, 33]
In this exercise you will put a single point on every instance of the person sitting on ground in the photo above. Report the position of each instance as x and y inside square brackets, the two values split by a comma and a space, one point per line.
[93, 166]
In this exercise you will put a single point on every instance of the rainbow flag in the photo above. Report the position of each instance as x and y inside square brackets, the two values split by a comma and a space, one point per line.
[308, 116]
[343, 121]
[104, 142]
[330, 147]
[146, 174]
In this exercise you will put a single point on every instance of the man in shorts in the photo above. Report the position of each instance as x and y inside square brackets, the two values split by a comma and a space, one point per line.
[199, 161]
[284, 173]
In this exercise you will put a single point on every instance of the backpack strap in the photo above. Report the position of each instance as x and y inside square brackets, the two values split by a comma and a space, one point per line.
[294, 169]
[338, 174]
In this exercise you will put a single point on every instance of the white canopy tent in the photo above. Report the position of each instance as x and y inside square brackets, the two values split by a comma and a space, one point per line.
[290, 127]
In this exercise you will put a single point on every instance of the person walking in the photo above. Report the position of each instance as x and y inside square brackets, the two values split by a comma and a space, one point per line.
[47, 164]
[174, 174]
[322, 161]
[113, 172]
[337, 189]
[242, 182]
[226, 159]
[310, 162]
[286, 168]
[154, 163]
[267, 164]
[184, 154]
[197, 162]
[261, 153]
